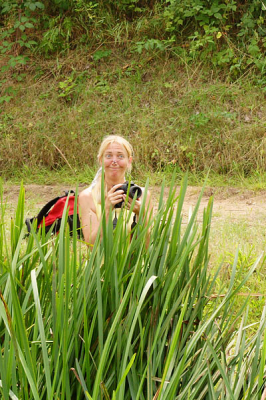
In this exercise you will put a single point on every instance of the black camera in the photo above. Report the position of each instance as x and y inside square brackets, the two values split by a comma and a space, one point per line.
[132, 189]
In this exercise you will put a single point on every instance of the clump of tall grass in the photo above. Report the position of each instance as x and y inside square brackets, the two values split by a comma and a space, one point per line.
[129, 319]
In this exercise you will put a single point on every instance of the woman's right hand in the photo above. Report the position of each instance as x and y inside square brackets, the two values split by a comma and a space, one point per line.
[114, 196]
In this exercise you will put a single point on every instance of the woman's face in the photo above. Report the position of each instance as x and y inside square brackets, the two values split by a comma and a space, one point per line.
[116, 162]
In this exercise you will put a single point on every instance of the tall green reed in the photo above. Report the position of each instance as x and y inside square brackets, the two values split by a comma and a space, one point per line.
[125, 319]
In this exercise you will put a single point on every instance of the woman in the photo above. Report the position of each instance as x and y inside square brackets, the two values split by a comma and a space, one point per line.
[115, 156]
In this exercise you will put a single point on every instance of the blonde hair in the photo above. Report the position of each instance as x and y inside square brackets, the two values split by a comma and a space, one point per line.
[107, 140]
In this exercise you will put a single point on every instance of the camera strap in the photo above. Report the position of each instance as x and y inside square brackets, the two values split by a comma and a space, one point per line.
[134, 223]
[115, 220]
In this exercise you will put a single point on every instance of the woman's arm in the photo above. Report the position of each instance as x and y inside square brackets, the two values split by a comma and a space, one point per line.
[136, 209]
[87, 211]
[148, 217]
[148, 210]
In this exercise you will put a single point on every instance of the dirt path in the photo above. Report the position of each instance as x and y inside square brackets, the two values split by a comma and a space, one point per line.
[238, 216]
[236, 204]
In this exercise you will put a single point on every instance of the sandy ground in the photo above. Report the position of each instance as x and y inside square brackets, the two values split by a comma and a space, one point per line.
[236, 204]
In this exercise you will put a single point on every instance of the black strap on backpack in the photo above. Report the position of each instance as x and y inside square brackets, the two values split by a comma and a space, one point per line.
[45, 211]
[42, 214]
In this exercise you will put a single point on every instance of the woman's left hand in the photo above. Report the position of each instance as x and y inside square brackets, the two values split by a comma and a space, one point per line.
[128, 202]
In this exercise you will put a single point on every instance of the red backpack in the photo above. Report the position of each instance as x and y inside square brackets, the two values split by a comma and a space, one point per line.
[51, 214]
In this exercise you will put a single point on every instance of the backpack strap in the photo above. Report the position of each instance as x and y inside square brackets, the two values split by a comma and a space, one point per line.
[42, 213]
[28, 223]
[50, 204]
[46, 208]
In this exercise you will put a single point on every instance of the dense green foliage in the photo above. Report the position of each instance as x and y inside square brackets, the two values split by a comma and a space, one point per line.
[124, 321]
[225, 33]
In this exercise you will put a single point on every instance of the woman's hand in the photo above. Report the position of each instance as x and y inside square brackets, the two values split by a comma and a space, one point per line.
[128, 203]
[114, 196]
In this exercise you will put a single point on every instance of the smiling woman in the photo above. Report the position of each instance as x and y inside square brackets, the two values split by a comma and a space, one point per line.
[115, 155]
[116, 162]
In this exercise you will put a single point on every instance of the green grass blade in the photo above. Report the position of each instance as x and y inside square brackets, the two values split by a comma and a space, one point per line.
[173, 346]
[221, 369]
[42, 333]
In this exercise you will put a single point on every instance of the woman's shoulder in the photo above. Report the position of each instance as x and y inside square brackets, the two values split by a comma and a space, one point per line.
[147, 195]
[85, 193]
[86, 197]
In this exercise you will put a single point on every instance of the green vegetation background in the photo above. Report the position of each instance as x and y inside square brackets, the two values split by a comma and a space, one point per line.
[184, 81]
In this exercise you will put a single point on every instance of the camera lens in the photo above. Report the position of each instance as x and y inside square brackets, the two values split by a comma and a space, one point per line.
[133, 190]
[131, 193]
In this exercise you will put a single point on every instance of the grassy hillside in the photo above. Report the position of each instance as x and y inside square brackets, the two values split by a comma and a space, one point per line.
[183, 81]
[175, 115]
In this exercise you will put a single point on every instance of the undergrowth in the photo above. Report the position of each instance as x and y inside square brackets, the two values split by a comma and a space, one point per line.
[123, 320]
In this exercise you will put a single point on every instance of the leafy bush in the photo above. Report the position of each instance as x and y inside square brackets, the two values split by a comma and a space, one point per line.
[18, 20]
[221, 30]
[230, 33]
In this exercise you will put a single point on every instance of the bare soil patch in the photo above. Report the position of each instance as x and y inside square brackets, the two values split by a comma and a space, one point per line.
[236, 204]
[238, 216]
